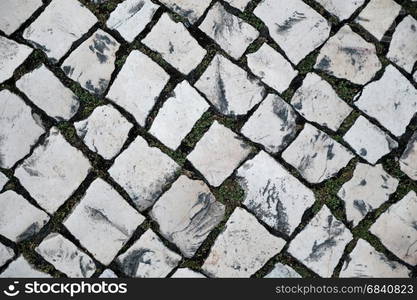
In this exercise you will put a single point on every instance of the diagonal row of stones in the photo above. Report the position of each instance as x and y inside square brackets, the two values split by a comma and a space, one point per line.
[275, 157]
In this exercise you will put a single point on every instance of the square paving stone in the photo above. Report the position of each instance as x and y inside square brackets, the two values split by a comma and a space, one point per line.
[6, 254]
[239, 4]
[296, 27]
[369, 141]
[365, 262]
[187, 273]
[12, 55]
[54, 163]
[131, 17]
[105, 131]
[320, 245]
[282, 271]
[108, 273]
[317, 101]
[3, 180]
[231, 33]
[66, 257]
[92, 63]
[148, 258]
[378, 16]
[20, 268]
[110, 220]
[175, 44]
[368, 189]
[341, 9]
[14, 13]
[19, 129]
[144, 172]
[19, 220]
[272, 194]
[316, 155]
[61, 24]
[218, 153]
[178, 115]
[396, 228]
[408, 160]
[229, 88]
[187, 213]
[189, 9]
[272, 125]
[273, 69]
[138, 85]
[45, 90]
[242, 248]
[391, 100]
[403, 48]
[347, 55]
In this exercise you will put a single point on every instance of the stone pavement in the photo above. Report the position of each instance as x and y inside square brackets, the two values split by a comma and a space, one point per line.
[209, 138]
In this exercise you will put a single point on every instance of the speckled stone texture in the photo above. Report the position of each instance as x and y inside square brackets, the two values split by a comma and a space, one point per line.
[208, 139]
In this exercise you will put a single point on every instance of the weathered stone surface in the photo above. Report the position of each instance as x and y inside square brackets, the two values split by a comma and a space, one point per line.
[14, 13]
[178, 115]
[239, 4]
[66, 257]
[273, 124]
[92, 63]
[396, 228]
[316, 155]
[317, 101]
[144, 172]
[110, 220]
[272, 68]
[187, 273]
[321, 243]
[19, 219]
[19, 129]
[54, 163]
[408, 160]
[105, 131]
[148, 258]
[392, 101]
[296, 27]
[273, 194]
[230, 32]
[45, 90]
[6, 254]
[190, 9]
[138, 85]
[108, 273]
[365, 262]
[175, 44]
[341, 9]
[347, 55]
[403, 48]
[218, 153]
[131, 17]
[59, 26]
[187, 213]
[242, 248]
[369, 141]
[378, 16]
[368, 189]
[20, 268]
[415, 74]
[282, 271]
[12, 55]
[3, 180]
[229, 88]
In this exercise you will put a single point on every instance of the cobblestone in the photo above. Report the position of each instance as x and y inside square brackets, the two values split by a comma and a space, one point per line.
[199, 138]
